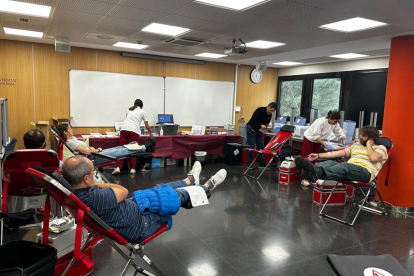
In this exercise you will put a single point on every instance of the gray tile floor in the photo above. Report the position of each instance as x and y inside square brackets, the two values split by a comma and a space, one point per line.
[251, 228]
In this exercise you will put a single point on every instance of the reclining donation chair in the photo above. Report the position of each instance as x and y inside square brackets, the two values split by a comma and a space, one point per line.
[372, 186]
[272, 148]
[98, 175]
[16, 181]
[62, 192]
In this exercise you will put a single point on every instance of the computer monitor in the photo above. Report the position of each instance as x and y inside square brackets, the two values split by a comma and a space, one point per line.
[299, 121]
[281, 120]
[349, 127]
[165, 119]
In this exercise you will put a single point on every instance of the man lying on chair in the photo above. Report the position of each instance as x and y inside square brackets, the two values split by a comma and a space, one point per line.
[366, 159]
[117, 152]
[137, 218]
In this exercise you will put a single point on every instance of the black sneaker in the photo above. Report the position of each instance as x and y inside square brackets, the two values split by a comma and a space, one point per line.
[262, 165]
[312, 173]
[248, 165]
[150, 144]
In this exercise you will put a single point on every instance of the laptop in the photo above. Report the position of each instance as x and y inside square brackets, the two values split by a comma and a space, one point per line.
[281, 120]
[300, 121]
[165, 119]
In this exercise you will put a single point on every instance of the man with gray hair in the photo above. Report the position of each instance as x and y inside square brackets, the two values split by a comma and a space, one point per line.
[139, 217]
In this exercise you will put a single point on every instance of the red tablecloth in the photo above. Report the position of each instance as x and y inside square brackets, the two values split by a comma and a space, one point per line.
[176, 146]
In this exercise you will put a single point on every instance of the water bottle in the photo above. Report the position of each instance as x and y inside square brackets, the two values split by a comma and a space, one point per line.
[161, 132]
[119, 130]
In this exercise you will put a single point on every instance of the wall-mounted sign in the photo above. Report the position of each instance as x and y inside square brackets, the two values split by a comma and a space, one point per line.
[6, 81]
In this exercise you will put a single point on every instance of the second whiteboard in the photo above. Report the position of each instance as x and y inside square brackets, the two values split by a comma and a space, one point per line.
[198, 102]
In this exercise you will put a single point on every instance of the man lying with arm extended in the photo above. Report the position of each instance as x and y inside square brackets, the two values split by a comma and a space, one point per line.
[364, 164]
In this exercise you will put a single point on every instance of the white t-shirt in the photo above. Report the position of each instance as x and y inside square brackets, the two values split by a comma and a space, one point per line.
[133, 120]
[321, 128]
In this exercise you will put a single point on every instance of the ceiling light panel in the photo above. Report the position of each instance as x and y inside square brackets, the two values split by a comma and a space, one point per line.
[287, 63]
[24, 8]
[22, 32]
[353, 25]
[210, 55]
[165, 29]
[262, 44]
[349, 56]
[131, 45]
[233, 4]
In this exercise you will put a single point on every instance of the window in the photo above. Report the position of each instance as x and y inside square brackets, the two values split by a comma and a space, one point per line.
[325, 95]
[290, 96]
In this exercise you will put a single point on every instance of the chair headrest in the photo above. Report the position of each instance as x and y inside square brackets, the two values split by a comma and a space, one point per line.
[56, 177]
[54, 128]
[288, 128]
[384, 141]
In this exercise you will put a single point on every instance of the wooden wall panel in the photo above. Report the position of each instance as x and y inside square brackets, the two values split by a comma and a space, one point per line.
[158, 68]
[179, 70]
[215, 71]
[251, 95]
[16, 63]
[51, 71]
[109, 61]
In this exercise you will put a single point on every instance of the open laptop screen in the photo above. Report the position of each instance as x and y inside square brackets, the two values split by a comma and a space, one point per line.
[165, 118]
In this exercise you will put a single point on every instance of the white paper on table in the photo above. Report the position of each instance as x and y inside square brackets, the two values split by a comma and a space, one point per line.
[197, 195]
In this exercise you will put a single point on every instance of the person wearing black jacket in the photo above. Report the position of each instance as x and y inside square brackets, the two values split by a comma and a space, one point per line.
[259, 120]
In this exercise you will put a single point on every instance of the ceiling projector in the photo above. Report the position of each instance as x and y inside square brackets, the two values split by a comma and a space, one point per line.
[235, 50]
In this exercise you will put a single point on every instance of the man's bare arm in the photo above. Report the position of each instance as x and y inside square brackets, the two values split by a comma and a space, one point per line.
[120, 192]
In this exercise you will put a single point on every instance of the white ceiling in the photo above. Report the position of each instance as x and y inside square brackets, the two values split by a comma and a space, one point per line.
[294, 22]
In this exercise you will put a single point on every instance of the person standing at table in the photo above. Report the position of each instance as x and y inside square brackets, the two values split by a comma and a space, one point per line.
[259, 120]
[130, 132]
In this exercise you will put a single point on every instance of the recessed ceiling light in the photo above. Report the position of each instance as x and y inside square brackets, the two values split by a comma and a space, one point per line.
[262, 44]
[22, 32]
[349, 56]
[353, 25]
[165, 29]
[233, 4]
[287, 63]
[130, 45]
[24, 8]
[210, 55]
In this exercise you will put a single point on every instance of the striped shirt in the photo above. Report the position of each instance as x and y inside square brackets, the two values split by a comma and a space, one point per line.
[359, 157]
[124, 216]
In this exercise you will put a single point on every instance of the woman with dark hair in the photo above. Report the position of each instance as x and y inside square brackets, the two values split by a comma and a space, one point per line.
[320, 130]
[66, 132]
[130, 131]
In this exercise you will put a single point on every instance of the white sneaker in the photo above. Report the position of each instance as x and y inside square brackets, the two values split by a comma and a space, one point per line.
[132, 171]
[217, 179]
[116, 171]
[195, 172]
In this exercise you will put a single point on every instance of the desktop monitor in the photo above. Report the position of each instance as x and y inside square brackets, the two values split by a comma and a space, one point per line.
[349, 128]
[300, 121]
[281, 120]
[165, 119]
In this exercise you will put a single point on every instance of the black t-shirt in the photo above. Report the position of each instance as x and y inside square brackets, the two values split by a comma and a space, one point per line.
[259, 117]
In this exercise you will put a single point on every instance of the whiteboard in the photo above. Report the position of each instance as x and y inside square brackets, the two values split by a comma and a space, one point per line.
[98, 99]
[198, 102]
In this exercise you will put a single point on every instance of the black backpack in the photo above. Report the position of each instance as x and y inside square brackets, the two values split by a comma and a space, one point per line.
[14, 220]
[287, 151]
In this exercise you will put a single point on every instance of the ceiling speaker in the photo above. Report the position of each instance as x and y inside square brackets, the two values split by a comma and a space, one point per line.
[261, 67]
[61, 46]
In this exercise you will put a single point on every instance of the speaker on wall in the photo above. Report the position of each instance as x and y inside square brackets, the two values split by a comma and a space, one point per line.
[261, 67]
[61, 46]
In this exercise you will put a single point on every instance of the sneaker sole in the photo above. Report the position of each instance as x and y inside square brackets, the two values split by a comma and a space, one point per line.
[310, 171]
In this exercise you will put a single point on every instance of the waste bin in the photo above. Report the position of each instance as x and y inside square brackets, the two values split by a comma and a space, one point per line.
[233, 154]
[24, 258]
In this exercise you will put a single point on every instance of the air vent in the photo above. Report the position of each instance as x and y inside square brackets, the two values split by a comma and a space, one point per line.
[25, 20]
[183, 41]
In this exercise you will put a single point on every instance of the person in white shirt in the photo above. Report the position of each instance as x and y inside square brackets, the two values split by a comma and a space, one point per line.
[130, 132]
[320, 130]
